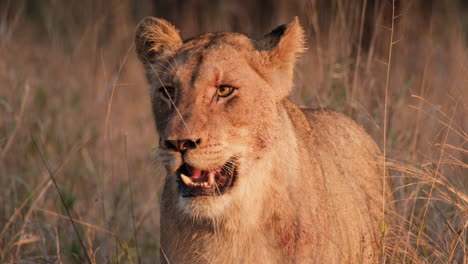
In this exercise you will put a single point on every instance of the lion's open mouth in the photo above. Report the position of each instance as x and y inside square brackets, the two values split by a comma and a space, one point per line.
[195, 182]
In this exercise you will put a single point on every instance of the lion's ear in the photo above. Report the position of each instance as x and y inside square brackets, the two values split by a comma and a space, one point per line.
[281, 48]
[155, 38]
[284, 43]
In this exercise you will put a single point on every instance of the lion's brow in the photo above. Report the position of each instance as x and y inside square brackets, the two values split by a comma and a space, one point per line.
[200, 57]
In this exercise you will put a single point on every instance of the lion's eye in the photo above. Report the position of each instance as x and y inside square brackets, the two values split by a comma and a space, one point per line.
[167, 92]
[225, 90]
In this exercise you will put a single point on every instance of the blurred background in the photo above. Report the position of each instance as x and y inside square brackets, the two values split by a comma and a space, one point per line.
[74, 104]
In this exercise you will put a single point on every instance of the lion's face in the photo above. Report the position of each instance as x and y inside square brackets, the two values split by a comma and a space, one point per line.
[214, 100]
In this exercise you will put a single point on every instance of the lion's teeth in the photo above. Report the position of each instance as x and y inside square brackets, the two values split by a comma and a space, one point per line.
[211, 179]
[186, 179]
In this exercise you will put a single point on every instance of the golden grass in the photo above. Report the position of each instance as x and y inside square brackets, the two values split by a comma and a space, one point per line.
[71, 83]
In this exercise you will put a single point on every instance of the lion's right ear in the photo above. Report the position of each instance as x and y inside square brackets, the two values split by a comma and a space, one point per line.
[155, 38]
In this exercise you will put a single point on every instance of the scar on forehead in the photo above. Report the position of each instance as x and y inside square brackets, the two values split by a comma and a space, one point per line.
[201, 55]
[218, 75]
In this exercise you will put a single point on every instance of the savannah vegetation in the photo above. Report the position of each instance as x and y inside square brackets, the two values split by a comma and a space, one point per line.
[78, 181]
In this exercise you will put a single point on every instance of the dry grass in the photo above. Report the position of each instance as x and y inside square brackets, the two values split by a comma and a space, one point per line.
[71, 85]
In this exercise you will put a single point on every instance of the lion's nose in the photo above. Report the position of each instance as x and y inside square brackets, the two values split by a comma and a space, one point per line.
[182, 145]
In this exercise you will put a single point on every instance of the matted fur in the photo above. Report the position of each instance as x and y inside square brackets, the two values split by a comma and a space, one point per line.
[308, 188]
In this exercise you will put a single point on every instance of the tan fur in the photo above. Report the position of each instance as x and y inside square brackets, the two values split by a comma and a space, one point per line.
[308, 188]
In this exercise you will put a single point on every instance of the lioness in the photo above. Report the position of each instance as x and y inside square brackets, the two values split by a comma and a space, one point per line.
[252, 178]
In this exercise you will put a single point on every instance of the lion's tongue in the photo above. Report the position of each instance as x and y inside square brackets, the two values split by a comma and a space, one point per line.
[196, 174]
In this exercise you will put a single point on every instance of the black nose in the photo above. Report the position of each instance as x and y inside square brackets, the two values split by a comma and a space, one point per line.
[182, 145]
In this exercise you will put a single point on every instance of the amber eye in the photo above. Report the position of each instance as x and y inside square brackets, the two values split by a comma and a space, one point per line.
[225, 90]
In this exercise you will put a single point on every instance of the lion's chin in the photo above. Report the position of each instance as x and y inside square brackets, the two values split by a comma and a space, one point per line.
[204, 207]
[205, 194]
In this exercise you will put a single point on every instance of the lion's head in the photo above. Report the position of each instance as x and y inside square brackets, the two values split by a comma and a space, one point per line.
[215, 101]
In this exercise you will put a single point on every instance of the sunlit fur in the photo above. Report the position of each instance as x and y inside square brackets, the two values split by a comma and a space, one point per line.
[308, 188]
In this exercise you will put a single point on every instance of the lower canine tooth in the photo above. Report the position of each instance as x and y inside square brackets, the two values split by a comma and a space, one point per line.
[211, 179]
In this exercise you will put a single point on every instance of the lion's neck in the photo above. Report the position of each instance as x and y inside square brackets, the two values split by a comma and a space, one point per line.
[267, 206]
[270, 179]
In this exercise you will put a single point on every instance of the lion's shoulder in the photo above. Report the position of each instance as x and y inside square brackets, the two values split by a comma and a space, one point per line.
[324, 126]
